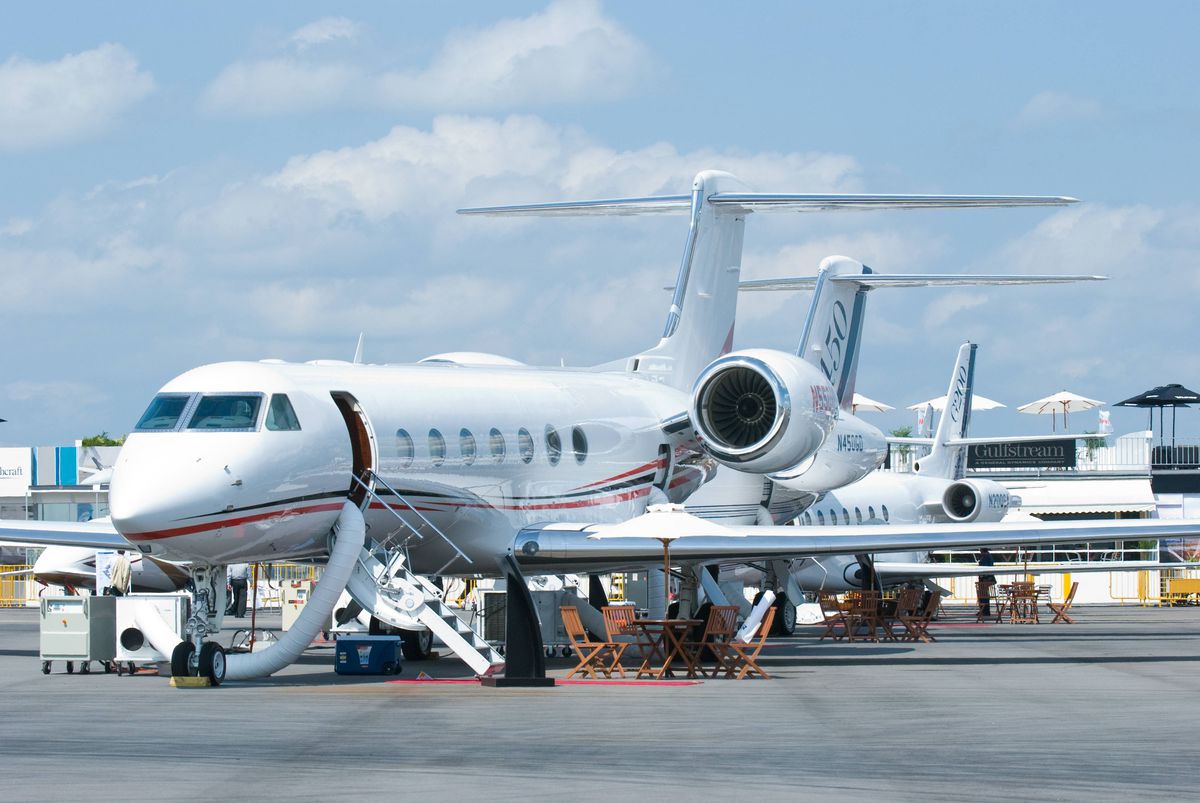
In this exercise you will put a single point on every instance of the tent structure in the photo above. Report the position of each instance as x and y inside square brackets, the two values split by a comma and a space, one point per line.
[1064, 400]
[1162, 397]
[866, 405]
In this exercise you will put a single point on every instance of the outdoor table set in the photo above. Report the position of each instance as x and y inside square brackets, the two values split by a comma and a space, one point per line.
[667, 645]
[1017, 603]
[868, 616]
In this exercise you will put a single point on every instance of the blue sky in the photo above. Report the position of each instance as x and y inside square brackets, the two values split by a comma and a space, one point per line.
[184, 184]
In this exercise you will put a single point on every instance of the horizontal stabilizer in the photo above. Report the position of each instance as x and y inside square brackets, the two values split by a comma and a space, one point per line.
[912, 280]
[769, 202]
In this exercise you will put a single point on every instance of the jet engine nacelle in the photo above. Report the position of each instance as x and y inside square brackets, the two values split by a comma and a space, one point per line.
[761, 411]
[975, 500]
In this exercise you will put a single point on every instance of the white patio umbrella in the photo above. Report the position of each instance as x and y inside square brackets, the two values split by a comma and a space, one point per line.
[663, 523]
[978, 403]
[861, 402]
[1064, 400]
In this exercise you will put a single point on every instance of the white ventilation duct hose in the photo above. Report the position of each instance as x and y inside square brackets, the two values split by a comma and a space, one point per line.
[351, 532]
[750, 626]
[161, 635]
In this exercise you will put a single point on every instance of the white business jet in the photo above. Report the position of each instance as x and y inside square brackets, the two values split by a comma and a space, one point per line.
[491, 460]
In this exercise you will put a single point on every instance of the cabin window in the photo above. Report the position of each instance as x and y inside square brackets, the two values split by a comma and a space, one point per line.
[820, 518]
[885, 514]
[226, 412]
[280, 415]
[579, 444]
[437, 448]
[525, 445]
[164, 412]
[466, 446]
[833, 517]
[553, 445]
[404, 448]
[857, 515]
[496, 445]
[846, 517]
[871, 511]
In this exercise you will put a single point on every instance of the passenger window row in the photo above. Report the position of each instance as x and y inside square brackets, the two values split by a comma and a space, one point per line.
[807, 516]
[497, 446]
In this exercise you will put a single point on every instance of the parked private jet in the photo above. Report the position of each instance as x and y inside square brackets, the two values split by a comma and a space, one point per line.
[459, 465]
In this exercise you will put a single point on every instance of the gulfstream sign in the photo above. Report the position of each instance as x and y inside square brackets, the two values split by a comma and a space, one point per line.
[1029, 454]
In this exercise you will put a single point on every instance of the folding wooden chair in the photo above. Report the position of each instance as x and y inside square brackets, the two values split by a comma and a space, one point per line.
[742, 656]
[1060, 608]
[834, 616]
[864, 610]
[916, 623]
[983, 591]
[907, 601]
[1024, 604]
[620, 626]
[719, 629]
[593, 655]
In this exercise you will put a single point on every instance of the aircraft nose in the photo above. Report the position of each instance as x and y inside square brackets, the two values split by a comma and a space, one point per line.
[158, 486]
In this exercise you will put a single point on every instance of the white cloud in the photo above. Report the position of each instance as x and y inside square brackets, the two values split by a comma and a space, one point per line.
[16, 226]
[323, 31]
[947, 306]
[1053, 107]
[480, 160]
[49, 103]
[569, 52]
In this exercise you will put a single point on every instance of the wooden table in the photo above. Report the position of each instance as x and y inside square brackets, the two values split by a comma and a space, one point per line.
[666, 639]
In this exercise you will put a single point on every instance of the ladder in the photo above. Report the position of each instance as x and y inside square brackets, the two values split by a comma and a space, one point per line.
[383, 584]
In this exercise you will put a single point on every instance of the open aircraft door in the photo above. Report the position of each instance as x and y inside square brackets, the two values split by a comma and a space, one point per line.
[362, 443]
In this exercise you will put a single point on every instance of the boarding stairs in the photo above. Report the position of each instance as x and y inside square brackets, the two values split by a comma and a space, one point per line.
[383, 584]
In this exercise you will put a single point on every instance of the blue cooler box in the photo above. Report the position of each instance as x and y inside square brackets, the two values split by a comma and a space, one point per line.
[367, 655]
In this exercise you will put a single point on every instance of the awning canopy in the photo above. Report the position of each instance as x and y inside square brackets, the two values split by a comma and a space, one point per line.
[1092, 495]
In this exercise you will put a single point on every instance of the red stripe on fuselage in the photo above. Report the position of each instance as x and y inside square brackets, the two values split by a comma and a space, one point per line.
[656, 464]
[155, 535]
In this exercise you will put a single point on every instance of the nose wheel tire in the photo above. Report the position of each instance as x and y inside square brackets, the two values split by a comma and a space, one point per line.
[212, 662]
[416, 644]
[181, 659]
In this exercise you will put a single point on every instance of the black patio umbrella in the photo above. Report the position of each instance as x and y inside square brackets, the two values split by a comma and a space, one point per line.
[1163, 396]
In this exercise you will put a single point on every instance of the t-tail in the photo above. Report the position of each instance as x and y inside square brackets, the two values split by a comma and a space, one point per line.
[833, 327]
[948, 457]
[700, 320]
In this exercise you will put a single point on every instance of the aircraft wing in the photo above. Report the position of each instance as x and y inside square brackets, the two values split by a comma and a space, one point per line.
[92, 534]
[919, 571]
[639, 540]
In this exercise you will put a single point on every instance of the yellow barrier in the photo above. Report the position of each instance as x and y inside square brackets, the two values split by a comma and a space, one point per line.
[19, 590]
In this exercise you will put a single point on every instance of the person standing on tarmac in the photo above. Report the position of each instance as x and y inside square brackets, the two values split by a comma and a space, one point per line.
[986, 582]
[239, 575]
[118, 583]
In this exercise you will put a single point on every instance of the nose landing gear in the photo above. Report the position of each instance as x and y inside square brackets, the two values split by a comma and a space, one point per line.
[194, 656]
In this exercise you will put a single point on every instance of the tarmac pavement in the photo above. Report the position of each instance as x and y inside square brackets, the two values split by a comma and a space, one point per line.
[1104, 709]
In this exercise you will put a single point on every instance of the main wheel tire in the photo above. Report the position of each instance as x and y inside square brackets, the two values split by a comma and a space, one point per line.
[181, 659]
[785, 617]
[45, 667]
[212, 662]
[416, 644]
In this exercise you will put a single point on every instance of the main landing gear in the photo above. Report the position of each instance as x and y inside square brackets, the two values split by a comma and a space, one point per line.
[194, 656]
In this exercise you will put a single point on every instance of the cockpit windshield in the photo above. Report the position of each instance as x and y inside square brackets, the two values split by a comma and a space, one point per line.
[164, 412]
[226, 412]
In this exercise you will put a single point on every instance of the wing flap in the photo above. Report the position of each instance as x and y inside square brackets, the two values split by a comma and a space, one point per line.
[637, 541]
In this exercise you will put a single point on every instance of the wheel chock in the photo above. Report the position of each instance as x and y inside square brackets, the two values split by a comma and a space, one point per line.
[190, 682]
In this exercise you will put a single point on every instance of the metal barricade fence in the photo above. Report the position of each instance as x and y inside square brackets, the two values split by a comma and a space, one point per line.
[18, 590]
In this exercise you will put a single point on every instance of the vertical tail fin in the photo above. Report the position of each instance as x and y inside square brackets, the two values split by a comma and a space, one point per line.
[950, 462]
[833, 328]
[700, 322]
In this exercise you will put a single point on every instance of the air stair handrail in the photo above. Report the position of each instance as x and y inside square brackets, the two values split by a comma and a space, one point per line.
[409, 505]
